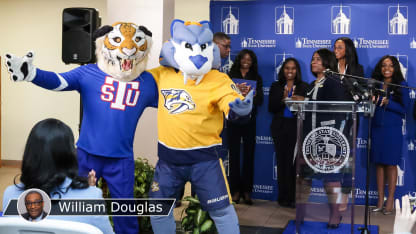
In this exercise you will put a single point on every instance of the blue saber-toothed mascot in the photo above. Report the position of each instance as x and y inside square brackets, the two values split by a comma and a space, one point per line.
[114, 93]
[192, 100]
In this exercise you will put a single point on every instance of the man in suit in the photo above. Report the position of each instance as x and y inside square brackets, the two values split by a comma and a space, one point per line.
[34, 204]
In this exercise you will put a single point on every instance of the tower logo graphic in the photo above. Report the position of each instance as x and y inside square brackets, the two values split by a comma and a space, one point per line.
[404, 126]
[298, 43]
[398, 20]
[400, 173]
[244, 43]
[411, 146]
[279, 59]
[230, 20]
[355, 43]
[284, 20]
[412, 94]
[341, 19]
[274, 166]
[404, 63]
[413, 44]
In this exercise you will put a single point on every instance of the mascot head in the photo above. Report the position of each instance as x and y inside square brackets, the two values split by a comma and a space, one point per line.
[191, 49]
[122, 50]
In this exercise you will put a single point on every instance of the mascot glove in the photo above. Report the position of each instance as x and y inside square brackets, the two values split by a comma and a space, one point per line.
[242, 108]
[21, 68]
[405, 219]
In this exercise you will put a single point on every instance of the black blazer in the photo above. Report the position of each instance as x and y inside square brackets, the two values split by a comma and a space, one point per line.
[357, 70]
[330, 90]
[26, 215]
[277, 105]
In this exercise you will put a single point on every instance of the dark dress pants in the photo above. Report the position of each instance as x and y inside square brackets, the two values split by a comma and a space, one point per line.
[241, 180]
[284, 143]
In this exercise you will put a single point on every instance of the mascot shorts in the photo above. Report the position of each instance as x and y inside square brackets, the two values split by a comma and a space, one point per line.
[119, 175]
[207, 178]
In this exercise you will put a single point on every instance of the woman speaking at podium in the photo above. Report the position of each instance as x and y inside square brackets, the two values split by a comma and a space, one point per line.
[324, 88]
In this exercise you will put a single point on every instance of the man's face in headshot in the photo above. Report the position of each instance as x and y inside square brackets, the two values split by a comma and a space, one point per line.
[34, 204]
[225, 47]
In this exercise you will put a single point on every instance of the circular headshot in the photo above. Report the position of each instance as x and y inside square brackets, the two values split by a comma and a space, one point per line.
[34, 205]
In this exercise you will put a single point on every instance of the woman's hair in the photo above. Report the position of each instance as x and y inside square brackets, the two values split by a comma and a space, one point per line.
[235, 68]
[329, 61]
[281, 76]
[397, 77]
[351, 57]
[50, 157]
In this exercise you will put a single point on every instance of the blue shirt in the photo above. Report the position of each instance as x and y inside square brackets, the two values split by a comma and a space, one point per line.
[287, 113]
[111, 108]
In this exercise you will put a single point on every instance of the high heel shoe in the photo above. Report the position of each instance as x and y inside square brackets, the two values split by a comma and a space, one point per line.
[388, 212]
[236, 198]
[377, 209]
[385, 212]
[247, 199]
[335, 225]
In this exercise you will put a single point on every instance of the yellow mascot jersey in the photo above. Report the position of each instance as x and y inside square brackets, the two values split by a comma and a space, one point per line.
[190, 117]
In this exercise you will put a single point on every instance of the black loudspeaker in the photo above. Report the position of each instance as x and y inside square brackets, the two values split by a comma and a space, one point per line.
[78, 25]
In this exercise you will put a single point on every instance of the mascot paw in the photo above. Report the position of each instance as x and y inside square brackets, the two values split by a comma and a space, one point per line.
[21, 68]
[243, 107]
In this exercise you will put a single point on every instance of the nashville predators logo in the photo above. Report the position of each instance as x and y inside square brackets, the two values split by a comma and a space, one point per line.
[177, 100]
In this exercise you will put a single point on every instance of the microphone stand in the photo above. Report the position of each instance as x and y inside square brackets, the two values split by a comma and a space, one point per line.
[364, 230]
[370, 87]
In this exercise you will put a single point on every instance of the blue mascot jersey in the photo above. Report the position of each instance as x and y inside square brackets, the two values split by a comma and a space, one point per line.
[111, 108]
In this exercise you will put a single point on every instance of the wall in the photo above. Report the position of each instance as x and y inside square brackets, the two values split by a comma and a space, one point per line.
[192, 10]
[156, 15]
[35, 25]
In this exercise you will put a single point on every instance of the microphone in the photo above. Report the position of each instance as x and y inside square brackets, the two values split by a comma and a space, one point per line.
[360, 88]
[351, 84]
[358, 93]
[350, 87]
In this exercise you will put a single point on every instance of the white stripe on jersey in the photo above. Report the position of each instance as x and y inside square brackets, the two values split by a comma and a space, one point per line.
[63, 84]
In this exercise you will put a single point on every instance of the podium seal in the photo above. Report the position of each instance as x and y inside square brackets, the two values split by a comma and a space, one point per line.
[326, 149]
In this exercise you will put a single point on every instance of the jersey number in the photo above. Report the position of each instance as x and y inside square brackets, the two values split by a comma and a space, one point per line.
[125, 94]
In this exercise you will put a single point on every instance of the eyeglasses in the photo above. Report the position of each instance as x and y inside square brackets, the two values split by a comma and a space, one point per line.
[225, 46]
[35, 203]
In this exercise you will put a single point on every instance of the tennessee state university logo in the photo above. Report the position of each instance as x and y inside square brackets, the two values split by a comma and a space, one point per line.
[177, 100]
[326, 149]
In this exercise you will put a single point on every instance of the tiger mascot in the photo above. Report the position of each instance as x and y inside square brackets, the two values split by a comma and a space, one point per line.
[192, 100]
[114, 93]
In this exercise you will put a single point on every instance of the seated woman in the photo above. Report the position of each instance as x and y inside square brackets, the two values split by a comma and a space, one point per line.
[50, 164]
